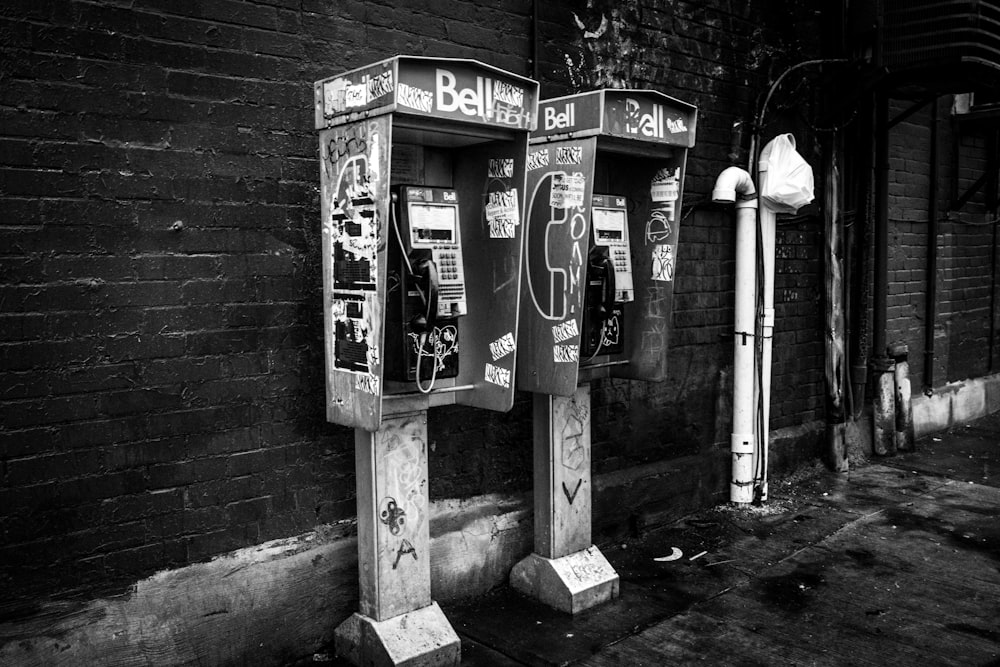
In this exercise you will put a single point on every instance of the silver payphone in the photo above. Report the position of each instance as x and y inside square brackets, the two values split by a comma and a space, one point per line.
[423, 175]
[609, 277]
[427, 291]
[605, 177]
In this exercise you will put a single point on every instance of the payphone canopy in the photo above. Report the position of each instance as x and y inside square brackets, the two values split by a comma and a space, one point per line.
[377, 124]
[621, 142]
[643, 116]
[451, 89]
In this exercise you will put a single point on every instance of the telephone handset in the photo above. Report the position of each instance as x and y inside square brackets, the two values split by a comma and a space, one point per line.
[609, 277]
[432, 291]
[601, 269]
[423, 268]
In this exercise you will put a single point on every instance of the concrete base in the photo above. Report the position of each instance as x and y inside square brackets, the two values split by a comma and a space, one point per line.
[571, 584]
[956, 403]
[420, 638]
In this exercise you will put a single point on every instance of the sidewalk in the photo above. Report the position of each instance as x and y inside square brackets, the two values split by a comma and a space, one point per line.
[895, 563]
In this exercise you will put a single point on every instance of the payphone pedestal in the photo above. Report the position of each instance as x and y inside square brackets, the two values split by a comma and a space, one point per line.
[398, 623]
[566, 571]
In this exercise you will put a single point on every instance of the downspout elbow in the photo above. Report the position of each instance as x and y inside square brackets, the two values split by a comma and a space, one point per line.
[735, 185]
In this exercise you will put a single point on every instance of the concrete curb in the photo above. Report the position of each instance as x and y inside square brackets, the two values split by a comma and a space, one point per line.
[955, 403]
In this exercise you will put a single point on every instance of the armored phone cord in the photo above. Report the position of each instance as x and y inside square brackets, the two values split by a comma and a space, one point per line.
[600, 344]
[422, 338]
[399, 238]
[421, 341]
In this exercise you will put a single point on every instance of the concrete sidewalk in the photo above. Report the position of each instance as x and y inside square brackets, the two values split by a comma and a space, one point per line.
[895, 563]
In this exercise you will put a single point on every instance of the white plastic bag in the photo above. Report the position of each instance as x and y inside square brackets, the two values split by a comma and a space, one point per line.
[789, 182]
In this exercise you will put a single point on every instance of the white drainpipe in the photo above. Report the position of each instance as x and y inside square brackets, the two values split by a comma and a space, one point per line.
[730, 183]
[768, 224]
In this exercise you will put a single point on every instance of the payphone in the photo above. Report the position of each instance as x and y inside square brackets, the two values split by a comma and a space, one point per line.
[427, 285]
[605, 178]
[609, 277]
[423, 176]
[423, 167]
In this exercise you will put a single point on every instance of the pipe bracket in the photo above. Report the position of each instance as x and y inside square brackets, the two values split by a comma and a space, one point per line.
[741, 443]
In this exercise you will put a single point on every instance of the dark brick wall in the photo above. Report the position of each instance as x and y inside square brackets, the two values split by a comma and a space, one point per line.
[160, 336]
[909, 187]
[968, 274]
[160, 333]
[966, 246]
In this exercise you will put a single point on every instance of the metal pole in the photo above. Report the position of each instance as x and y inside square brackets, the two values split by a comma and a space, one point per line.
[883, 416]
[881, 225]
[930, 306]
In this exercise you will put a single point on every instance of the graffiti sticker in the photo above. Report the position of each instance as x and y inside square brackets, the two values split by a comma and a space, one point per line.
[502, 214]
[502, 346]
[663, 262]
[565, 353]
[501, 168]
[565, 331]
[538, 159]
[498, 376]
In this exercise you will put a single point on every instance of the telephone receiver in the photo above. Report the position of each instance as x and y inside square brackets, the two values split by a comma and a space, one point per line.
[602, 267]
[426, 274]
[421, 267]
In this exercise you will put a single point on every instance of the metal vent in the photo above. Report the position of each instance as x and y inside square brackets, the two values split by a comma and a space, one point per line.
[917, 34]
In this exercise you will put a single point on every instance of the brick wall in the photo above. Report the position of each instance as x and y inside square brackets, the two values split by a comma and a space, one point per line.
[162, 366]
[909, 183]
[966, 246]
[968, 269]
[160, 334]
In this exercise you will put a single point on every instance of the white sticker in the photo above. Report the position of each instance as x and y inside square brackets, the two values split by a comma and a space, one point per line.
[565, 353]
[508, 93]
[501, 168]
[356, 96]
[565, 331]
[567, 190]
[502, 346]
[379, 85]
[502, 229]
[415, 98]
[502, 214]
[367, 383]
[334, 93]
[538, 159]
[666, 185]
[569, 155]
[663, 262]
[374, 157]
[338, 310]
[498, 376]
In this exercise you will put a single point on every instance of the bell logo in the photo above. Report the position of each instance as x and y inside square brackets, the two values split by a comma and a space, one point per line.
[653, 124]
[555, 120]
[468, 101]
[484, 101]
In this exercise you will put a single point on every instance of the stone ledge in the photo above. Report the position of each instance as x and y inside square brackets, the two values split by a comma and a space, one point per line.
[955, 403]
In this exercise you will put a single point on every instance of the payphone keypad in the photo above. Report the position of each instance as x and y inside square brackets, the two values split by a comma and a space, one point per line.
[621, 260]
[451, 288]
